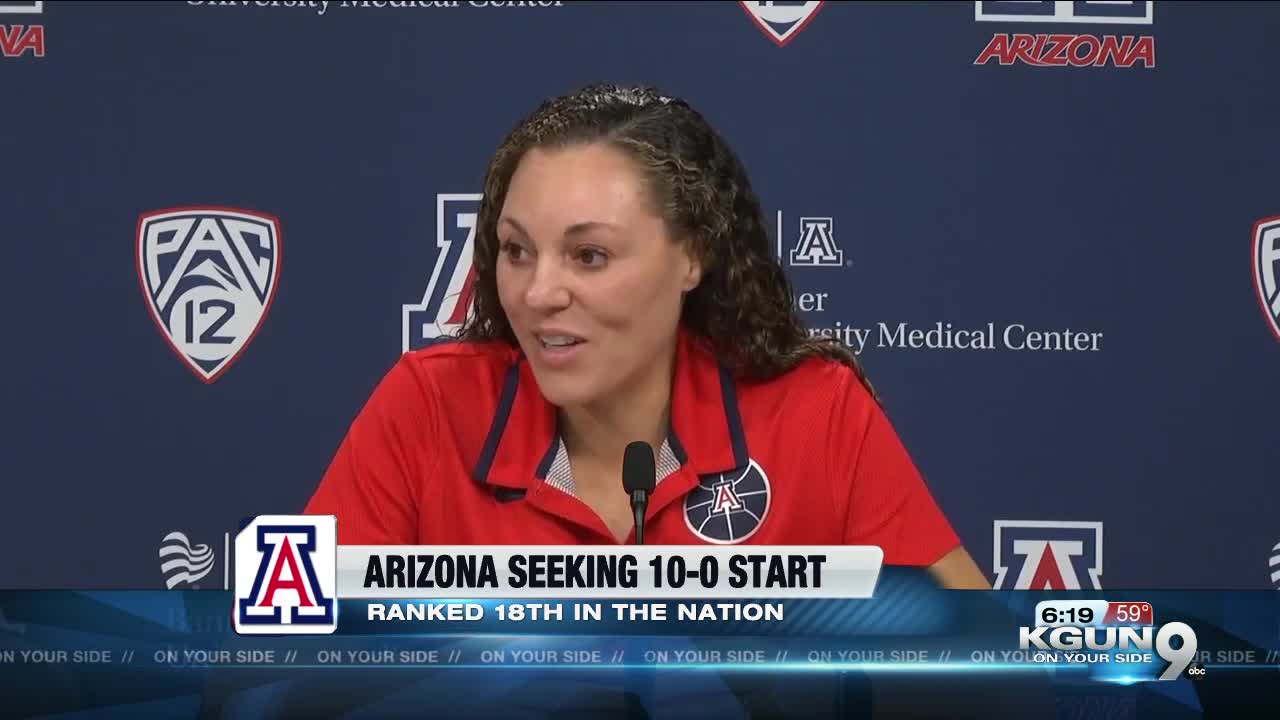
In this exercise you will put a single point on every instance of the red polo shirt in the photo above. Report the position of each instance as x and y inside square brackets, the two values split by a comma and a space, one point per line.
[455, 445]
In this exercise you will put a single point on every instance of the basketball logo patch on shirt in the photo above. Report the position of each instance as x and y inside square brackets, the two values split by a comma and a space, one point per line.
[728, 507]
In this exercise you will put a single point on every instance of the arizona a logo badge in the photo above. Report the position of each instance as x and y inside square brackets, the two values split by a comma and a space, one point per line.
[816, 246]
[287, 576]
[1266, 269]
[728, 508]
[781, 21]
[447, 299]
[209, 275]
[1047, 555]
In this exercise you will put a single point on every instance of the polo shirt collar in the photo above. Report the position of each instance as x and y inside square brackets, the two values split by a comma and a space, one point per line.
[704, 410]
[706, 435]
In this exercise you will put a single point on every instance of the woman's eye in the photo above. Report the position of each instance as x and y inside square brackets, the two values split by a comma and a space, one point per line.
[513, 251]
[591, 257]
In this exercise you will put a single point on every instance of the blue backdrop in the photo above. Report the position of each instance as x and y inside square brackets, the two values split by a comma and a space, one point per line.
[1018, 167]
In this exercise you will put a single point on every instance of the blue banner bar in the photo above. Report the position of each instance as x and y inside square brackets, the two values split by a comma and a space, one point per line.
[148, 646]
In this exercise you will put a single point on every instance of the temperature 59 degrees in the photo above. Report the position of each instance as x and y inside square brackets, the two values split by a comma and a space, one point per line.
[1129, 613]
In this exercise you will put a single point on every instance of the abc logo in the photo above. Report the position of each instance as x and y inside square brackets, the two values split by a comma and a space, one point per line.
[1195, 671]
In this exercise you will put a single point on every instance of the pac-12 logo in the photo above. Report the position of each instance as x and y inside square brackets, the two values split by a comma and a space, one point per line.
[1048, 555]
[727, 508]
[1266, 269]
[287, 575]
[209, 275]
[779, 20]
[447, 300]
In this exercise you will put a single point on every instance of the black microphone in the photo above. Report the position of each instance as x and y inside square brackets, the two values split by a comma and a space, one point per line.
[639, 476]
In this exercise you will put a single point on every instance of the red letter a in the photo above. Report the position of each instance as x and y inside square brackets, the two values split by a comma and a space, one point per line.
[295, 581]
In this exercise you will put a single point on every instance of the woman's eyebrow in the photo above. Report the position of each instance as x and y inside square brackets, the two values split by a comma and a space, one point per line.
[574, 229]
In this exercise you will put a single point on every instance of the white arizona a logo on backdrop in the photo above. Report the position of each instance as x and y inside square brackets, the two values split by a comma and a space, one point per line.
[1266, 269]
[812, 243]
[816, 246]
[781, 21]
[447, 300]
[209, 275]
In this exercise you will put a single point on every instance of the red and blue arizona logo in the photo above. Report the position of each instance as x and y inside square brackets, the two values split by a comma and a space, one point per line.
[447, 299]
[286, 576]
[1048, 555]
[727, 508]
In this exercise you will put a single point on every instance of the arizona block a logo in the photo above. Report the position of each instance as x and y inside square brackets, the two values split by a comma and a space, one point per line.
[779, 20]
[286, 576]
[450, 290]
[209, 275]
[816, 245]
[1047, 555]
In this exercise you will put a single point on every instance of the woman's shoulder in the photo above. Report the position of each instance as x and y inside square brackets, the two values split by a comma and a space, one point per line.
[459, 360]
[817, 385]
[443, 372]
[819, 375]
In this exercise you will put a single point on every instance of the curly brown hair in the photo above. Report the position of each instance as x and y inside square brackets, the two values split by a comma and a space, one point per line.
[743, 306]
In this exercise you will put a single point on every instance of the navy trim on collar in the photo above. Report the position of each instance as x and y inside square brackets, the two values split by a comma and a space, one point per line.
[506, 495]
[509, 386]
[676, 448]
[544, 467]
[737, 435]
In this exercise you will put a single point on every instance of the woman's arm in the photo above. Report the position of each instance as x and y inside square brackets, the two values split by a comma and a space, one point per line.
[889, 502]
[957, 571]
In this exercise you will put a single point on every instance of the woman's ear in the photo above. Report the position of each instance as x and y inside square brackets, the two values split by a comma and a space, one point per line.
[693, 276]
[693, 268]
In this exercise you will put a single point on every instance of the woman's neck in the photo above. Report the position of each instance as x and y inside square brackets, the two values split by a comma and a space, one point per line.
[599, 434]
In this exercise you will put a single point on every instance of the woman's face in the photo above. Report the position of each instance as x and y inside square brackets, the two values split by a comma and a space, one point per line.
[588, 275]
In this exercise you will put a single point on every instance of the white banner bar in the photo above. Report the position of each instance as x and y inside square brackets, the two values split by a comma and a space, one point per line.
[589, 571]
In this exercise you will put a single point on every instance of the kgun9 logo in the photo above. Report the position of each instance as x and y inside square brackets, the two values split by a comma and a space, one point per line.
[1071, 641]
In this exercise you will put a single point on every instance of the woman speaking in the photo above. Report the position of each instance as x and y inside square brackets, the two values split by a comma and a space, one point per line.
[625, 289]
